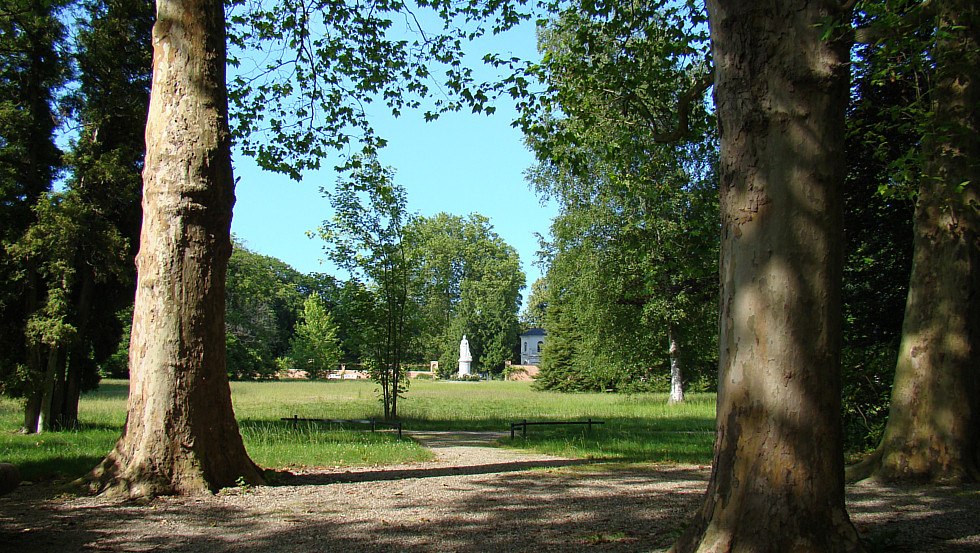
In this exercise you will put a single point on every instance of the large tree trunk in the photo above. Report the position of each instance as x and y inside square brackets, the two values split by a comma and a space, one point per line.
[181, 435]
[933, 430]
[777, 481]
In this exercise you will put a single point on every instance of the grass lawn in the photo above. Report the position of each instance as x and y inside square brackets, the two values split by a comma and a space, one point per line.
[637, 428]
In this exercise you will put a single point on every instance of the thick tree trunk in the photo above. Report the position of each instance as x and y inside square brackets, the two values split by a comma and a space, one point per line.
[72, 391]
[777, 481]
[676, 374]
[181, 435]
[933, 430]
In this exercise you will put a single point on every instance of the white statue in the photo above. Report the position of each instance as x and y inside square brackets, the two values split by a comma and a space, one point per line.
[465, 358]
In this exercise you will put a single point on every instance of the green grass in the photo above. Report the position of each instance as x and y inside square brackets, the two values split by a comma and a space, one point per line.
[637, 428]
[274, 444]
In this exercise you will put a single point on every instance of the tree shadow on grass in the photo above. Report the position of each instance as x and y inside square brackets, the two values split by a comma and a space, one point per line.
[65, 466]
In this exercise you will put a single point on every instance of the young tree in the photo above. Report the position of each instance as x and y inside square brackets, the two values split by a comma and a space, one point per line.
[181, 435]
[781, 90]
[315, 347]
[366, 236]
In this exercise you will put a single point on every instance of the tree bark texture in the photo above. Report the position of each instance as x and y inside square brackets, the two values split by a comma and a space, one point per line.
[933, 429]
[676, 373]
[181, 436]
[777, 481]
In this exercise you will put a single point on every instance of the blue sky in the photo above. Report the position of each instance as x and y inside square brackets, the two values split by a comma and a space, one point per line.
[461, 163]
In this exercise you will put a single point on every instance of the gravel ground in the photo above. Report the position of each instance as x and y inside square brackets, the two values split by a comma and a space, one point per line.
[471, 498]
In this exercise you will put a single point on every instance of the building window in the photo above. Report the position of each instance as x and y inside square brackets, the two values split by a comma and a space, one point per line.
[525, 347]
[539, 346]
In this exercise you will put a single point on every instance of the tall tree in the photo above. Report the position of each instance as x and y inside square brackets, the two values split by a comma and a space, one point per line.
[781, 90]
[933, 429]
[113, 57]
[349, 61]
[468, 281]
[624, 143]
[33, 68]
[181, 435]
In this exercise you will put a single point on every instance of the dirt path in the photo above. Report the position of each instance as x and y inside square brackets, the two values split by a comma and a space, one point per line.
[470, 498]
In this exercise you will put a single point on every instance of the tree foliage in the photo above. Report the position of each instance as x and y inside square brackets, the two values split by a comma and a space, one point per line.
[878, 239]
[309, 72]
[75, 246]
[467, 282]
[262, 301]
[33, 68]
[633, 258]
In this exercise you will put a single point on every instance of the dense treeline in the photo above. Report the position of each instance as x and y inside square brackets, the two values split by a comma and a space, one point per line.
[468, 283]
[67, 268]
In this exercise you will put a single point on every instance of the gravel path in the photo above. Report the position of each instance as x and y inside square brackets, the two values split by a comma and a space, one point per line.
[470, 498]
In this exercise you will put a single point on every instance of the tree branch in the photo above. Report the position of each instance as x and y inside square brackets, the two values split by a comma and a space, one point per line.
[684, 105]
[915, 18]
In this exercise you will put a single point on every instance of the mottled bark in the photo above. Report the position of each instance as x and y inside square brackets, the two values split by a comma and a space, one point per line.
[676, 373]
[777, 481]
[181, 435]
[933, 430]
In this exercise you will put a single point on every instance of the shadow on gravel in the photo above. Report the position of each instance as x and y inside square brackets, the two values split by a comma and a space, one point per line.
[600, 508]
[913, 518]
[313, 479]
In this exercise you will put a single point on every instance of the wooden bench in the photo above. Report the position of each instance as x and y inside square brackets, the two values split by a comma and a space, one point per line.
[296, 419]
[525, 423]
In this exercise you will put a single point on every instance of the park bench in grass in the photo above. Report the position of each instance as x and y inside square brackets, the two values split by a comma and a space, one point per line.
[296, 419]
[525, 423]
